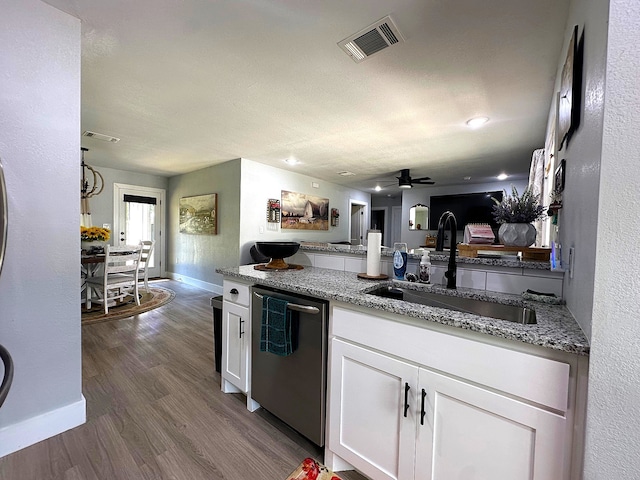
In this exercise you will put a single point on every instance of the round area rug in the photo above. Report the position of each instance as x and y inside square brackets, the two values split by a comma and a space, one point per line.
[156, 297]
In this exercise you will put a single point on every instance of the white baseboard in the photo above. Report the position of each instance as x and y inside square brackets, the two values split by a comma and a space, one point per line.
[211, 287]
[35, 429]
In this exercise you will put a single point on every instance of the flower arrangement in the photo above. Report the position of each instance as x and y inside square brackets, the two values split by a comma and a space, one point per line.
[518, 209]
[92, 234]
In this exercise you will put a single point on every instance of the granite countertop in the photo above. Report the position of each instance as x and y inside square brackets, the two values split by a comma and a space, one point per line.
[556, 327]
[510, 261]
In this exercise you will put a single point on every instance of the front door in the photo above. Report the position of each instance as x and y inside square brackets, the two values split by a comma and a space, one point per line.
[139, 215]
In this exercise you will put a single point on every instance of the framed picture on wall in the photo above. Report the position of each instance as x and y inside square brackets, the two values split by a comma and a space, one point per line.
[558, 184]
[199, 214]
[570, 91]
[304, 212]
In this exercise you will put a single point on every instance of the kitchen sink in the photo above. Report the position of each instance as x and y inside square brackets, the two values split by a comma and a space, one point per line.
[511, 313]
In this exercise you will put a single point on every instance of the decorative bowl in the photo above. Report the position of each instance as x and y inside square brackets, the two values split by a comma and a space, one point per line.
[277, 251]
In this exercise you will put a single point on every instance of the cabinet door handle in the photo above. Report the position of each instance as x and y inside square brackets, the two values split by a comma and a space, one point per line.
[406, 398]
[233, 291]
[422, 412]
[240, 324]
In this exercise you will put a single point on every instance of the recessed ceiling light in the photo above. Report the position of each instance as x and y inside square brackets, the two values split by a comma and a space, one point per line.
[467, 178]
[291, 161]
[502, 176]
[378, 188]
[477, 122]
[345, 173]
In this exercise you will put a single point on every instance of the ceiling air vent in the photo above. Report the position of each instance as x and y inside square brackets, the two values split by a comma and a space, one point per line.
[371, 40]
[100, 136]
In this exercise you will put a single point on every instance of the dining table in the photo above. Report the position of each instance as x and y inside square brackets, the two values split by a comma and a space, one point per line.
[90, 266]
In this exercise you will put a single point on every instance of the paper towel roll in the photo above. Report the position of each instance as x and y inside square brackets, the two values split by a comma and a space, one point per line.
[374, 241]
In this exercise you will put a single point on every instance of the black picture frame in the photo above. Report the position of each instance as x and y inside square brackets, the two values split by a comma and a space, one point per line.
[558, 184]
[570, 91]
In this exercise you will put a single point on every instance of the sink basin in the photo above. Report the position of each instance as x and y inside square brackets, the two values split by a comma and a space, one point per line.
[512, 313]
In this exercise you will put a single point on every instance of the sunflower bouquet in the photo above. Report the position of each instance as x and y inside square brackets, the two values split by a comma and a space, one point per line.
[92, 234]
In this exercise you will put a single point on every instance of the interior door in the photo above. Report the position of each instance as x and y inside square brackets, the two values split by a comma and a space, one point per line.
[139, 215]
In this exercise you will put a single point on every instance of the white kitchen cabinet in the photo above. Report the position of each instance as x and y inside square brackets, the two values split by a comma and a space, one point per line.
[472, 432]
[236, 340]
[369, 428]
[489, 411]
[235, 325]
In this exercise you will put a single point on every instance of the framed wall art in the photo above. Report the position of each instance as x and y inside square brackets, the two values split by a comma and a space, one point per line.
[558, 184]
[304, 212]
[570, 91]
[199, 214]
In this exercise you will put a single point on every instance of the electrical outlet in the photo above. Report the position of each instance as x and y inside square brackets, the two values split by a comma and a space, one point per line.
[106, 225]
[261, 229]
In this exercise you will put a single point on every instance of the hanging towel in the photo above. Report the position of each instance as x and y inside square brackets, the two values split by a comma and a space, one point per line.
[277, 333]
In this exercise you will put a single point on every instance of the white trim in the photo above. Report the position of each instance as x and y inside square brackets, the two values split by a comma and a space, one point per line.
[211, 287]
[158, 192]
[35, 429]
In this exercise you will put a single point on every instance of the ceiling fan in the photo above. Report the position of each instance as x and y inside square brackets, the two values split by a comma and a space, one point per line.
[405, 180]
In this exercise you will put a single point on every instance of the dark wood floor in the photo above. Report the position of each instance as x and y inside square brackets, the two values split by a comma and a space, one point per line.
[155, 410]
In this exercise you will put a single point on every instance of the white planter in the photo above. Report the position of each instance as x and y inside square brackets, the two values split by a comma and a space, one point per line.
[87, 245]
[517, 234]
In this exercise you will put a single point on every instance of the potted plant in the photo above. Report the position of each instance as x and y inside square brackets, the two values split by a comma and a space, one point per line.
[515, 213]
[94, 237]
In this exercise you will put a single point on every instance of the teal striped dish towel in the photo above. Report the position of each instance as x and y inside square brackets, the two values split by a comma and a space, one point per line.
[276, 329]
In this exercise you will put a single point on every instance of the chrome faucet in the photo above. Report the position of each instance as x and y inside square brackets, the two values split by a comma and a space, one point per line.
[448, 217]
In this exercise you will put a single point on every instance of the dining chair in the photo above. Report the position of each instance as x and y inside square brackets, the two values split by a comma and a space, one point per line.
[120, 278]
[145, 258]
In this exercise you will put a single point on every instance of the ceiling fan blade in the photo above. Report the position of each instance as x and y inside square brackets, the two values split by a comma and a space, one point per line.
[421, 179]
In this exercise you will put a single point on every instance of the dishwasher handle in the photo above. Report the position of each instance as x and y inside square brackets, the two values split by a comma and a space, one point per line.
[295, 307]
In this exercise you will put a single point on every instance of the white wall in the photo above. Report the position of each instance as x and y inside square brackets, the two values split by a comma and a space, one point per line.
[613, 416]
[415, 238]
[40, 282]
[579, 215]
[194, 258]
[261, 182]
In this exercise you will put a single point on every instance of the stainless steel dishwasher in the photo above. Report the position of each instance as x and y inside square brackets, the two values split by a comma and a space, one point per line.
[293, 388]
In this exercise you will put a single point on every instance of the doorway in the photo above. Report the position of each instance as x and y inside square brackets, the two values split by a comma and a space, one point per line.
[138, 214]
[358, 222]
[396, 225]
[379, 221]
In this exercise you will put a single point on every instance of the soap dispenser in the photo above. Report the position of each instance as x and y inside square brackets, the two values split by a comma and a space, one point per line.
[400, 257]
[424, 272]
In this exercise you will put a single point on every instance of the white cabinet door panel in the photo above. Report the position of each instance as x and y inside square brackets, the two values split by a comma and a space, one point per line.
[235, 325]
[355, 264]
[367, 397]
[470, 432]
[329, 261]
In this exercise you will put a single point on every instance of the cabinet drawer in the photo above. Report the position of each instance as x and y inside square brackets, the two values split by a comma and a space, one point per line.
[537, 379]
[236, 292]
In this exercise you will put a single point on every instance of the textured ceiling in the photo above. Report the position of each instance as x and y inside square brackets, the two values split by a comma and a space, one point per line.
[188, 84]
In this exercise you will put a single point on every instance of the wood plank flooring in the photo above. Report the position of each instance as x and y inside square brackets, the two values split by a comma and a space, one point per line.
[155, 410]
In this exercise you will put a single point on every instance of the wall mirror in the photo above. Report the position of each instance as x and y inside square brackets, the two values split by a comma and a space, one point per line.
[419, 217]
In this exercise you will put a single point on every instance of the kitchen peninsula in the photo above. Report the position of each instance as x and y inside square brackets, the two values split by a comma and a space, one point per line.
[504, 273]
[448, 390]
